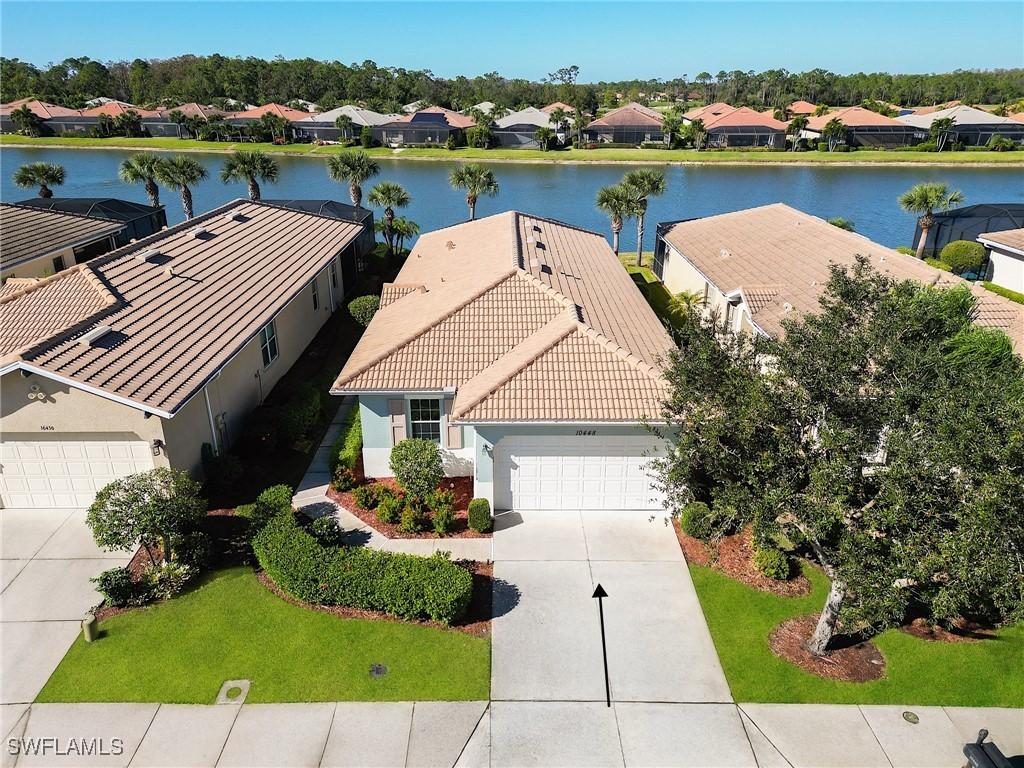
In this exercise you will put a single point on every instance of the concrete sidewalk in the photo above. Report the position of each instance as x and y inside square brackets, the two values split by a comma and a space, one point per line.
[511, 733]
[311, 498]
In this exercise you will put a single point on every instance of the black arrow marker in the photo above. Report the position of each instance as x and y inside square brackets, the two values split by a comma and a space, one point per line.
[600, 594]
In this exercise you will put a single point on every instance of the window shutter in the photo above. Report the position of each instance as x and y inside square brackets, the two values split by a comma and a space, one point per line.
[396, 409]
[454, 430]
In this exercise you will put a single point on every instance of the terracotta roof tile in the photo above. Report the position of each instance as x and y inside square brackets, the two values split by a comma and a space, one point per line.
[275, 109]
[454, 119]
[708, 111]
[743, 116]
[853, 117]
[41, 109]
[631, 114]
[28, 232]
[800, 107]
[1010, 238]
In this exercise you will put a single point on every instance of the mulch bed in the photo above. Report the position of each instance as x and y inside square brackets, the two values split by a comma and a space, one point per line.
[462, 487]
[850, 661]
[734, 556]
[962, 632]
[476, 622]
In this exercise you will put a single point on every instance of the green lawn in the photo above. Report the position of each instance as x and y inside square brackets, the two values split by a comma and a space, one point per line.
[982, 674]
[653, 289]
[625, 155]
[231, 627]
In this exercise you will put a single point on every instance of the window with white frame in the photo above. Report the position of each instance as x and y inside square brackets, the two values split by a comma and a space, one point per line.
[316, 295]
[425, 419]
[268, 343]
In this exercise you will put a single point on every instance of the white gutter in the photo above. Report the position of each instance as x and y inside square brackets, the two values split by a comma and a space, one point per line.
[213, 426]
[992, 245]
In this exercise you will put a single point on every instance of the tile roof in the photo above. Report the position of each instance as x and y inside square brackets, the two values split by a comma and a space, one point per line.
[181, 314]
[708, 111]
[454, 119]
[801, 107]
[116, 108]
[1008, 238]
[491, 309]
[937, 107]
[275, 109]
[358, 115]
[42, 109]
[528, 116]
[742, 117]
[853, 117]
[28, 233]
[631, 114]
[192, 109]
[556, 105]
[962, 114]
[779, 258]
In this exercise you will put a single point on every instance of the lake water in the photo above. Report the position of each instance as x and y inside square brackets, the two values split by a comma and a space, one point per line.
[866, 195]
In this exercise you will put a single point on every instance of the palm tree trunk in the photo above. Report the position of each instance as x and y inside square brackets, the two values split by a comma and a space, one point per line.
[186, 200]
[640, 240]
[254, 190]
[826, 628]
[152, 192]
[389, 231]
[356, 193]
[471, 202]
[926, 224]
[45, 191]
[616, 228]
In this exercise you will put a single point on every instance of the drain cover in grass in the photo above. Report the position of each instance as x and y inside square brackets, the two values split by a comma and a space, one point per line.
[378, 670]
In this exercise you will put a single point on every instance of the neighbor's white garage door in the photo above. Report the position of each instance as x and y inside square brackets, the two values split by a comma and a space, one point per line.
[588, 472]
[65, 473]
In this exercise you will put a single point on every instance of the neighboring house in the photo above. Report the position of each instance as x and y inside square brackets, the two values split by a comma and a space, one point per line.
[354, 259]
[936, 107]
[484, 106]
[631, 124]
[756, 267]
[324, 126]
[414, 106]
[430, 126]
[1005, 258]
[968, 223]
[744, 127]
[524, 350]
[519, 129]
[971, 126]
[801, 108]
[51, 115]
[141, 357]
[864, 128]
[707, 112]
[139, 220]
[559, 105]
[161, 123]
[254, 115]
[35, 242]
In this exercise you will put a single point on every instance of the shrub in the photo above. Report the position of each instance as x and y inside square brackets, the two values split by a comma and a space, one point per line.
[348, 447]
[906, 250]
[363, 309]
[302, 413]
[118, 588]
[1005, 292]
[403, 585]
[417, 466]
[451, 142]
[167, 580]
[366, 137]
[327, 531]
[998, 143]
[479, 515]
[927, 146]
[695, 520]
[272, 502]
[479, 136]
[963, 255]
[194, 549]
[772, 563]
[444, 520]
[438, 501]
[822, 146]
[369, 496]
[343, 479]
[938, 264]
[413, 518]
[389, 510]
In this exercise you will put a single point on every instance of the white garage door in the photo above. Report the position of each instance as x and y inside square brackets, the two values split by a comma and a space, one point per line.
[62, 473]
[588, 472]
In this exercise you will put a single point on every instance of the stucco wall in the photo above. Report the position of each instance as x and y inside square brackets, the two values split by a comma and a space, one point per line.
[41, 267]
[680, 275]
[1006, 269]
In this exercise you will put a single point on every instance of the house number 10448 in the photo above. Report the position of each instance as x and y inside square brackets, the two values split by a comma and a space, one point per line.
[586, 432]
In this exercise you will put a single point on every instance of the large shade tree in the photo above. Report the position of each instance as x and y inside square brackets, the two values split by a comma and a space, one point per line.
[354, 168]
[141, 168]
[389, 195]
[42, 175]
[181, 173]
[643, 184]
[250, 168]
[924, 199]
[884, 434]
[476, 180]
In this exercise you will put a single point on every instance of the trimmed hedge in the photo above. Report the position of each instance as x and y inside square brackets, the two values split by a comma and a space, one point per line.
[772, 563]
[349, 446]
[963, 255]
[696, 520]
[406, 586]
[1006, 293]
[479, 515]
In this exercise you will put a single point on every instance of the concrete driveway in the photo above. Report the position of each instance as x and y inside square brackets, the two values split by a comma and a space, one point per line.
[47, 557]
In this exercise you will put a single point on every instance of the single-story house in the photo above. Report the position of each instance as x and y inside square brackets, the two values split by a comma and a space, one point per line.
[569, 110]
[971, 126]
[707, 112]
[801, 108]
[432, 125]
[631, 124]
[35, 242]
[139, 358]
[756, 267]
[744, 127]
[1005, 258]
[355, 258]
[864, 128]
[162, 124]
[523, 349]
[50, 115]
[936, 107]
[519, 129]
[139, 220]
[484, 106]
[324, 126]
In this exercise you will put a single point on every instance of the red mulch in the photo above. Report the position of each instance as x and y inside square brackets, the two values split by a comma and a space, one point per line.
[734, 556]
[850, 661]
[476, 622]
[462, 488]
[962, 632]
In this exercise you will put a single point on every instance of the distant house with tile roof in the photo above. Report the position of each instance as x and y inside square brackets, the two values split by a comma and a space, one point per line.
[744, 127]
[707, 112]
[864, 128]
[254, 114]
[428, 126]
[522, 348]
[801, 108]
[324, 125]
[971, 126]
[139, 357]
[756, 267]
[630, 124]
[50, 115]
[518, 130]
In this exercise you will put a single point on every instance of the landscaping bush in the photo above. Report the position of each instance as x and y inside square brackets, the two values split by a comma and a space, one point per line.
[963, 255]
[327, 531]
[479, 514]
[414, 519]
[272, 502]
[444, 521]
[440, 501]
[366, 137]
[363, 309]
[194, 549]
[348, 448]
[822, 146]
[118, 588]
[1000, 143]
[166, 580]
[1005, 292]
[403, 585]
[369, 496]
[772, 563]
[417, 466]
[695, 520]
[302, 413]
[906, 250]
[938, 264]
[343, 479]
[389, 510]
[479, 137]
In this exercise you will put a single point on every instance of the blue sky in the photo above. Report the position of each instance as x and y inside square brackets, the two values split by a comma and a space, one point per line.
[608, 40]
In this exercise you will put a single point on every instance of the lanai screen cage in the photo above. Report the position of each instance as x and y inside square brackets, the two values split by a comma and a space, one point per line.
[970, 221]
[882, 136]
[746, 136]
[624, 134]
[517, 137]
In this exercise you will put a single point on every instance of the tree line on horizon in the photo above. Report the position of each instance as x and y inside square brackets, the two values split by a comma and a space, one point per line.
[214, 79]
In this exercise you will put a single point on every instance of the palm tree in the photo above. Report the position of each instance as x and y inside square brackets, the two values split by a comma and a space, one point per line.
[179, 172]
[697, 133]
[142, 169]
[476, 180]
[925, 199]
[834, 132]
[560, 119]
[643, 184]
[796, 125]
[544, 136]
[839, 221]
[498, 111]
[389, 195]
[354, 167]
[344, 125]
[671, 124]
[250, 167]
[26, 121]
[616, 201]
[941, 130]
[821, 109]
[42, 175]
[404, 228]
